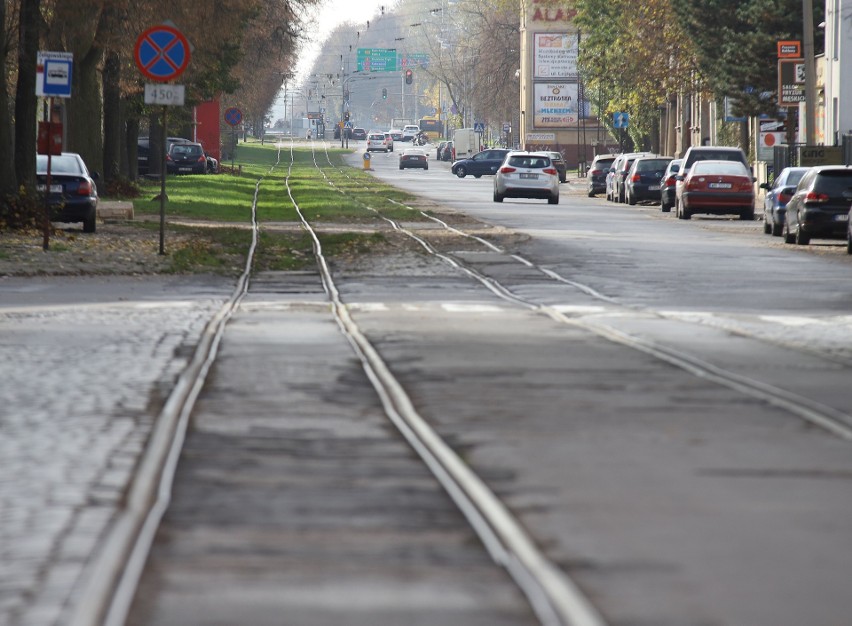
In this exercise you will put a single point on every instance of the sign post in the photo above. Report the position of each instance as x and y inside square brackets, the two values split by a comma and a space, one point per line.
[53, 80]
[162, 54]
[233, 117]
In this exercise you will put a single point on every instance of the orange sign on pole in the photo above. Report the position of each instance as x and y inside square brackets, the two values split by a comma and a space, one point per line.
[789, 49]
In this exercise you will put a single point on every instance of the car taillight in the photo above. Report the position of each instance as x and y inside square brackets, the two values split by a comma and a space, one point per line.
[784, 197]
[671, 181]
[550, 170]
[84, 188]
[813, 196]
[168, 157]
[596, 172]
[635, 178]
[691, 184]
[507, 170]
[202, 159]
[746, 185]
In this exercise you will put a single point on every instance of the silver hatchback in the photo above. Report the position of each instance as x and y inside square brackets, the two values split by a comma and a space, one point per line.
[527, 175]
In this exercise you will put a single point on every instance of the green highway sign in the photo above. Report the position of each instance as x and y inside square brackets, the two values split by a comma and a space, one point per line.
[376, 59]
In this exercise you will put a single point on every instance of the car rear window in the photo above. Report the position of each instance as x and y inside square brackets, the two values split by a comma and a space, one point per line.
[522, 160]
[705, 154]
[377, 137]
[834, 182]
[59, 164]
[651, 165]
[731, 168]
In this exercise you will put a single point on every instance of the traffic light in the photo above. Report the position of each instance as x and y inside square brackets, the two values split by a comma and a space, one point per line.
[346, 116]
[384, 94]
[409, 77]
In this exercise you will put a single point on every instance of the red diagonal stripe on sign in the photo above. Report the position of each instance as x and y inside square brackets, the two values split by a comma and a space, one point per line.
[162, 53]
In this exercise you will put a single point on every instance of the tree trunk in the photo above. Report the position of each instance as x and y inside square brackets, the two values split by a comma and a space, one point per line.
[25, 99]
[112, 116]
[8, 180]
[131, 145]
[85, 110]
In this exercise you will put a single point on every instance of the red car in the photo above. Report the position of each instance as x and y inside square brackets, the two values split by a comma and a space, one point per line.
[717, 188]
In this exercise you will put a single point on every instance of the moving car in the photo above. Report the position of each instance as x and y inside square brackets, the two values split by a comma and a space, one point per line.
[559, 164]
[485, 162]
[410, 131]
[413, 157]
[597, 173]
[73, 193]
[668, 185]
[395, 134]
[820, 205]
[778, 194]
[527, 175]
[644, 179]
[359, 133]
[376, 141]
[186, 158]
[717, 188]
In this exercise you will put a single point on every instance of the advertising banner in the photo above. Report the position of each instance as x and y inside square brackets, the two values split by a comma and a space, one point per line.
[555, 105]
[555, 56]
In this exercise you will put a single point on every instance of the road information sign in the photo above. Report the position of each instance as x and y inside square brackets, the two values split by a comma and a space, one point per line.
[166, 95]
[53, 74]
[620, 120]
[162, 53]
[233, 116]
[376, 59]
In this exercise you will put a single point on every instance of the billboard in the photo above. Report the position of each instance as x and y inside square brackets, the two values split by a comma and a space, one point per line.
[555, 56]
[555, 105]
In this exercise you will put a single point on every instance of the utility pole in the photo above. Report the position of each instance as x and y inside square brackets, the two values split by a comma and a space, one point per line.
[810, 71]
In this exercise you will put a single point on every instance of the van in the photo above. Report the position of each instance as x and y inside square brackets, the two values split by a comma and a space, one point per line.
[465, 143]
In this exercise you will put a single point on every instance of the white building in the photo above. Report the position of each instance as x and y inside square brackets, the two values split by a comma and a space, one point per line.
[838, 70]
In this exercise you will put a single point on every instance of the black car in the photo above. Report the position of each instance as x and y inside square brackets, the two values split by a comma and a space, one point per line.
[820, 205]
[73, 194]
[186, 158]
[668, 185]
[597, 173]
[622, 165]
[481, 163]
[559, 163]
[359, 133]
[644, 179]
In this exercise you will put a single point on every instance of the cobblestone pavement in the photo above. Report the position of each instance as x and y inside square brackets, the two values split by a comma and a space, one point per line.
[81, 387]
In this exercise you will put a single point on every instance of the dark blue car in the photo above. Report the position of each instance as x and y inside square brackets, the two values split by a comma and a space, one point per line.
[73, 194]
[481, 163]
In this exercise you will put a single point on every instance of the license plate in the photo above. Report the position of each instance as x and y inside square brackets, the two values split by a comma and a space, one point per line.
[533, 176]
[653, 187]
[841, 218]
[184, 169]
[53, 188]
[719, 185]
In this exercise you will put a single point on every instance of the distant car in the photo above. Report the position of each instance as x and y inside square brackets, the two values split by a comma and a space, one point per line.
[559, 163]
[717, 188]
[668, 185]
[820, 206]
[395, 134]
[439, 149]
[336, 131]
[413, 157]
[448, 154]
[73, 193]
[694, 154]
[410, 131]
[644, 179]
[778, 194]
[527, 175]
[481, 163]
[388, 141]
[597, 173]
[359, 133]
[849, 232]
[376, 141]
[186, 158]
[619, 177]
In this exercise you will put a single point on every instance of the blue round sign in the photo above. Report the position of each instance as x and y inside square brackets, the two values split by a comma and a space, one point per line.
[233, 116]
[162, 53]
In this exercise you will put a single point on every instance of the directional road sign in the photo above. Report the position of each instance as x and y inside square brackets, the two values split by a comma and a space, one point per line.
[162, 53]
[620, 120]
[233, 116]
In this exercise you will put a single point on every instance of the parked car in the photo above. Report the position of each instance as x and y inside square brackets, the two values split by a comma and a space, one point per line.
[667, 185]
[376, 141]
[336, 134]
[559, 163]
[820, 205]
[410, 131]
[644, 179]
[485, 162]
[527, 175]
[707, 153]
[619, 176]
[717, 188]
[359, 133]
[597, 173]
[73, 193]
[778, 194]
[439, 149]
[186, 158]
[849, 232]
[413, 157]
[449, 152]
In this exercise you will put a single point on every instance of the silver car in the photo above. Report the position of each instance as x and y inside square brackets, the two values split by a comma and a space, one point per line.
[376, 141]
[527, 175]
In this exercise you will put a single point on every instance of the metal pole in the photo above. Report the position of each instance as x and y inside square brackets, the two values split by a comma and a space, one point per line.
[163, 184]
[810, 73]
[45, 244]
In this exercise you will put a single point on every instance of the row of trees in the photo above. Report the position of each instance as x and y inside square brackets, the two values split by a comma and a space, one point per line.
[634, 56]
[242, 49]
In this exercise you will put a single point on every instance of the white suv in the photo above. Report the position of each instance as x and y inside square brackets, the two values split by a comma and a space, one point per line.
[376, 141]
[409, 132]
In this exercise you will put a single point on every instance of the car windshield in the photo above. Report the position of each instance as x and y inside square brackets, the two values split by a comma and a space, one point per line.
[793, 177]
[728, 168]
[59, 164]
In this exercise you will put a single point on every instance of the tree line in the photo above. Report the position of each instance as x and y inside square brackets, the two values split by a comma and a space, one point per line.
[241, 52]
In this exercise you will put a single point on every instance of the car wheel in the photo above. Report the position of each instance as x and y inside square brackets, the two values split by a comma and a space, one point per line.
[802, 239]
[788, 236]
[849, 243]
[682, 213]
[776, 229]
[461, 172]
[665, 208]
[426, 168]
[767, 227]
[498, 197]
[630, 199]
[620, 196]
[477, 175]
[591, 194]
[90, 223]
[747, 215]
[400, 167]
[553, 199]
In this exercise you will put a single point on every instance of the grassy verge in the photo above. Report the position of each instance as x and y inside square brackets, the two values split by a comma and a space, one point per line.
[222, 206]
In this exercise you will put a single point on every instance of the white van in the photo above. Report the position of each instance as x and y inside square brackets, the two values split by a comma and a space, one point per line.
[410, 131]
